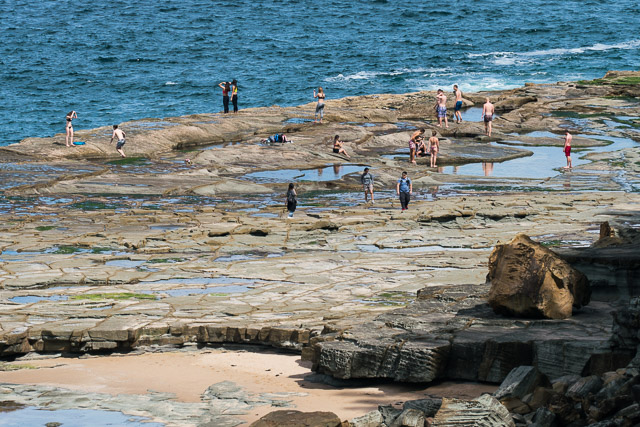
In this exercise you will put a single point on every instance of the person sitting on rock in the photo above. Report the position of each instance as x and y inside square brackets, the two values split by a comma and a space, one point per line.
[338, 147]
[421, 147]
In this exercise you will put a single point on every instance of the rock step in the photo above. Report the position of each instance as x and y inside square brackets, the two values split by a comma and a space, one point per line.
[83, 341]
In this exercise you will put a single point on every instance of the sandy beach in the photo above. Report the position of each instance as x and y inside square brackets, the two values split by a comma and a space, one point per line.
[187, 374]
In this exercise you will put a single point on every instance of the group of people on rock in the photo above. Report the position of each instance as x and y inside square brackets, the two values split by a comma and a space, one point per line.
[488, 110]
[118, 134]
[229, 88]
[404, 190]
[417, 146]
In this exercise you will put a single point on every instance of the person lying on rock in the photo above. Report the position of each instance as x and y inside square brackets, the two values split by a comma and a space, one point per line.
[276, 139]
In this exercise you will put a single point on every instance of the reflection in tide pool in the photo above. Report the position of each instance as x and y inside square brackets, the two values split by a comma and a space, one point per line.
[474, 114]
[545, 162]
[326, 173]
[73, 418]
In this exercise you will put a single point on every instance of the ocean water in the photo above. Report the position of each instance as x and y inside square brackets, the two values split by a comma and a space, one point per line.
[122, 60]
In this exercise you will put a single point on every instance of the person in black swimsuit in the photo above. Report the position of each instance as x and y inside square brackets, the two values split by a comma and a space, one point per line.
[338, 148]
[70, 116]
[320, 106]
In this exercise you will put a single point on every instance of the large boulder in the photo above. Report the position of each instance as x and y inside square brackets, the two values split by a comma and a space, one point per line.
[529, 280]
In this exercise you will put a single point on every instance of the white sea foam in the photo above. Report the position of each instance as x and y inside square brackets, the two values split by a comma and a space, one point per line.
[467, 83]
[170, 83]
[368, 75]
[515, 58]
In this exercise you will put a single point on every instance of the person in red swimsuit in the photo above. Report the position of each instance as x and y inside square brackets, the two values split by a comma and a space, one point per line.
[567, 148]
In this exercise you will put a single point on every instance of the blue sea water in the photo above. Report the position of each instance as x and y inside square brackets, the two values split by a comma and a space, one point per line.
[122, 60]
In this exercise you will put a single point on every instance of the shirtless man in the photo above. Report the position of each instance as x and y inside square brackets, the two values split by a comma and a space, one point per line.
[567, 148]
[457, 114]
[120, 135]
[487, 115]
[434, 147]
[416, 137]
[441, 108]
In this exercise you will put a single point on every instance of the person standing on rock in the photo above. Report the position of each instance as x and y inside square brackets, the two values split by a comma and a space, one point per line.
[434, 147]
[567, 148]
[367, 184]
[404, 188]
[441, 108]
[226, 88]
[413, 144]
[234, 95]
[487, 114]
[456, 110]
[320, 105]
[70, 116]
[292, 201]
[120, 136]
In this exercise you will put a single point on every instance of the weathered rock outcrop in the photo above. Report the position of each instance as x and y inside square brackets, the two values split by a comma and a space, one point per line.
[451, 332]
[529, 280]
[612, 263]
[483, 411]
[610, 399]
[290, 418]
[626, 329]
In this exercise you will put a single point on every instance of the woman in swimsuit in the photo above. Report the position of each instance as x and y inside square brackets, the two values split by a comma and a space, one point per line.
[226, 88]
[415, 139]
[234, 95]
[337, 147]
[320, 106]
[70, 116]
[434, 147]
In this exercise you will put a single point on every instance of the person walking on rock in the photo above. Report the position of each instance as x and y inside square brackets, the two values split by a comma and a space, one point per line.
[367, 184]
[457, 114]
[234, 95]
[120, 136]
[487, 114]
[292, 201]
[70, 116]
[320, 105]
[567, 148]
[226, 88]
[404, 188]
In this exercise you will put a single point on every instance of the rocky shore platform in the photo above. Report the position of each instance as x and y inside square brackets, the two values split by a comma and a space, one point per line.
[102, 255]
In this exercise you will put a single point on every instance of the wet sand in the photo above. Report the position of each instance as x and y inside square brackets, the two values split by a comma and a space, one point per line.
[188, 374]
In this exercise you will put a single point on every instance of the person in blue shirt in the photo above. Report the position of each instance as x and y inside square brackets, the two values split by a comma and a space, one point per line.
[404, 188]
